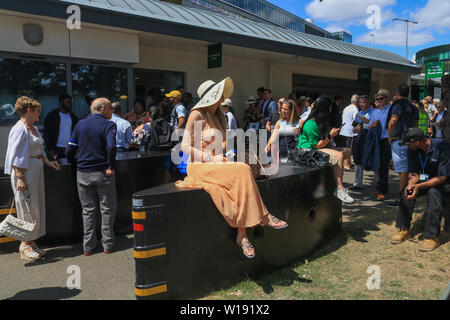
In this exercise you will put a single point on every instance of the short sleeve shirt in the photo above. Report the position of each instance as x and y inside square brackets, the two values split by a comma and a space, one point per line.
[310, 136]
[436, 160]
[407, 114]
[348, 117]
[178, 112]
[365, 114]
[431, 110]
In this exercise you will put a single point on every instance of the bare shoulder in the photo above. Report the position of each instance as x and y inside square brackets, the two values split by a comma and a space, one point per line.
[196, 115]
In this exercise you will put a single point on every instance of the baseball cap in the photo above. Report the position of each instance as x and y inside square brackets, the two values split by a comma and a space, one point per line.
[174, 94]
[410, 136]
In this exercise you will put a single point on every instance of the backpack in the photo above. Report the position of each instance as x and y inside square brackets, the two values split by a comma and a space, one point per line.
[161, 135]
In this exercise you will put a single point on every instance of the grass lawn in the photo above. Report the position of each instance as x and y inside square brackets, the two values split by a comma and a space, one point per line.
[339, 269]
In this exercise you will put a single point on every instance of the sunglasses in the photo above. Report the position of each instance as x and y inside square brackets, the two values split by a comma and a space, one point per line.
[379, 99]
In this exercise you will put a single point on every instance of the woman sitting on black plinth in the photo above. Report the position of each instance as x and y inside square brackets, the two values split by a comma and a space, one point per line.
[230, 184]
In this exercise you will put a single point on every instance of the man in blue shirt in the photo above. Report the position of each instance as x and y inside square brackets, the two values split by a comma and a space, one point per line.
[124, 130]
[442, 113]
[268, 105]
[404, 116]
[95, 140]
[429, 174]
[379, 117]
[363, 118]
[178, 115]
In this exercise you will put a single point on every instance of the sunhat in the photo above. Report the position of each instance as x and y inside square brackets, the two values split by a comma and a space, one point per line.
[227, 103]
[251, 100]
[382, 92]
[210, 92]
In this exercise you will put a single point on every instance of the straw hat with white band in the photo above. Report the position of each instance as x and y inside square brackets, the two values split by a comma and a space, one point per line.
[251, 100]
[210, 92]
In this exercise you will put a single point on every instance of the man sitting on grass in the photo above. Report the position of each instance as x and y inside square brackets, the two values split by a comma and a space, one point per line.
[429, 172]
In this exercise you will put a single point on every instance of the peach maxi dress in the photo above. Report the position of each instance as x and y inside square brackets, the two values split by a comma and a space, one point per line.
[232, 188]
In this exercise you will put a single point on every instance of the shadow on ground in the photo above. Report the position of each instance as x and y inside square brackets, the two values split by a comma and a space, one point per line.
[52, 293]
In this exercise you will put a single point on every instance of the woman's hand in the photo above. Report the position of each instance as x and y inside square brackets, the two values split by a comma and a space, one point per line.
[334, 132]
[267, 148]
[21, 184]
[219, 158]
[54, 164]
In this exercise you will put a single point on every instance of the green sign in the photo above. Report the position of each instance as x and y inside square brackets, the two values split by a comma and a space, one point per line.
[435, 70]
[365, 75]
[215, 56]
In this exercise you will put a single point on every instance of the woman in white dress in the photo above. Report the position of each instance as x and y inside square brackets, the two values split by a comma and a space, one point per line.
[24, 162]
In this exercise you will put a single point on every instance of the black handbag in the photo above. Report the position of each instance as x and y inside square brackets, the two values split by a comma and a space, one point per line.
[308, 158]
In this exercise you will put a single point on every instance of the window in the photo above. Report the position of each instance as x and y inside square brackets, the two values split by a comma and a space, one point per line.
[40, 80]
[93, 81]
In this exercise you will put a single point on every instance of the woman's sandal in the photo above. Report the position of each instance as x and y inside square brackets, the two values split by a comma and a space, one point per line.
[27, 253]
[38, 250]
[273, 221]
[246, 245]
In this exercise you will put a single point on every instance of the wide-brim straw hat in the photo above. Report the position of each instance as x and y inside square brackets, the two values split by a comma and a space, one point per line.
[210, 92]
[251, 100]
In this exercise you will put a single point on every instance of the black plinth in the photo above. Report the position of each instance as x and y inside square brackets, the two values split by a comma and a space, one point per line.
[185, 249]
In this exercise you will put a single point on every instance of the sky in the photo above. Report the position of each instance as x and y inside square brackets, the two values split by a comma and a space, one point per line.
[361, 18]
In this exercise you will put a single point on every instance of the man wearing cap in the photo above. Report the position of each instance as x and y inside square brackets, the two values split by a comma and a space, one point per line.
[429, 173]
[178, 115]
[380, 116]
[231, 120]
[404, 115]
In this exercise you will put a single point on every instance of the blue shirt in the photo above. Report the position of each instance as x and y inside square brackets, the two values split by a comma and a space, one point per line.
[438, 118]
[381, 116]
[95, 140]
[367, 114]
[124, 132]
[178, 112]
[267, 108]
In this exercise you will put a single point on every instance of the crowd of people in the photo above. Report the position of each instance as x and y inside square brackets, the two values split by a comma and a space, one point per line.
[365, 135]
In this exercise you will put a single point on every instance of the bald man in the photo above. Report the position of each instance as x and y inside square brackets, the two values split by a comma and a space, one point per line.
[95, 140]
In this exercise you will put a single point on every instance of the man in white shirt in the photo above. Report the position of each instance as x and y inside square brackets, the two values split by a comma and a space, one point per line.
[348, 116]
[231, 120]
[432, 110]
